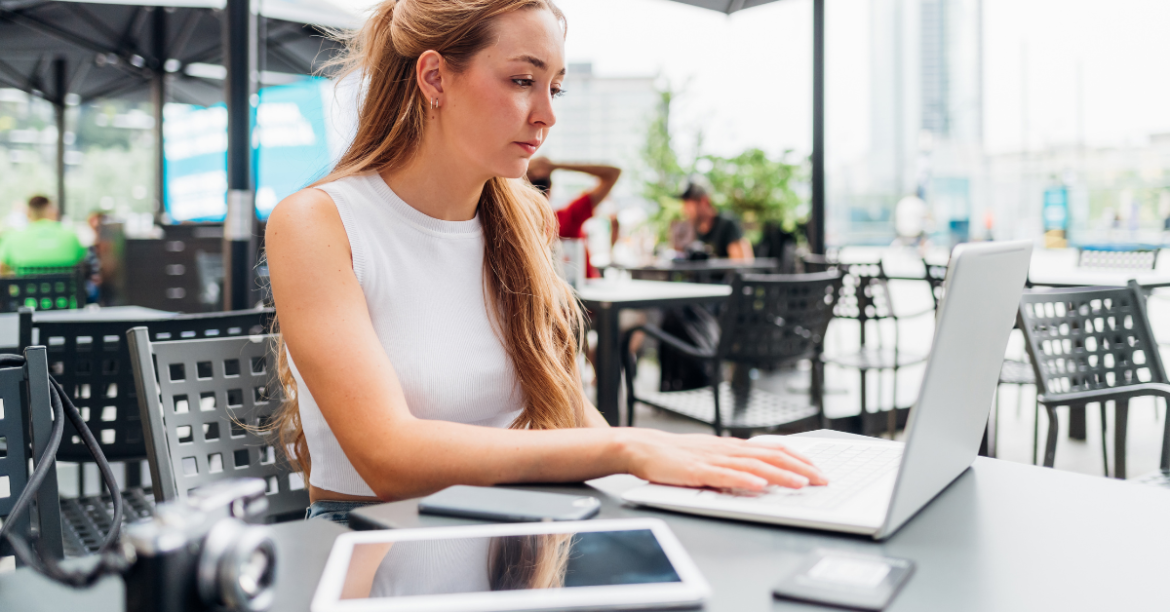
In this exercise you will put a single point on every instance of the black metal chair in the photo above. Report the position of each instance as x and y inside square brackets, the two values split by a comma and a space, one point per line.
[43, 289]
[207, 405]
[25, 427]
[1093, 345]
[865, 297]
[92, 361]
[770, 319]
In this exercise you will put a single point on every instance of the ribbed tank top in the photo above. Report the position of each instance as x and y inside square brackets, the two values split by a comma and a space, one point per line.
[423, 280]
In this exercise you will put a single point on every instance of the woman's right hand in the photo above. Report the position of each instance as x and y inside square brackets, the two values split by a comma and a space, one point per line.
[700, 460]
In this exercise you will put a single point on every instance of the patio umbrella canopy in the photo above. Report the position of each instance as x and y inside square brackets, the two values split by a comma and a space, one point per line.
[194, 51]
[817, 222]
[116, 50]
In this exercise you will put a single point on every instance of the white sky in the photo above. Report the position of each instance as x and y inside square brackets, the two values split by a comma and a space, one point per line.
[748, 77]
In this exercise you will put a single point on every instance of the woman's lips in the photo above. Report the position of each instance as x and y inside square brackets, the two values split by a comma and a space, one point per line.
[528, 148]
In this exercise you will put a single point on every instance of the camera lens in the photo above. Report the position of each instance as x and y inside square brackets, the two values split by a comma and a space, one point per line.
[255, 574]
[237, 568]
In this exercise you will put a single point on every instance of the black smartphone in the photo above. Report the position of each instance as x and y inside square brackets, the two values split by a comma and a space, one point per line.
[509, 505]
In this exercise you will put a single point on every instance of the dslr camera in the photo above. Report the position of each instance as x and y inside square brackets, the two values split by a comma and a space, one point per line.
[203, 553]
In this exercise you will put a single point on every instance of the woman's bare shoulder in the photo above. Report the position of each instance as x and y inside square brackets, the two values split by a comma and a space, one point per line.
[306, 214]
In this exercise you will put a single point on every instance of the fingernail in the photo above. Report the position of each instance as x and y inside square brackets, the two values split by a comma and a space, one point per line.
[800, 480]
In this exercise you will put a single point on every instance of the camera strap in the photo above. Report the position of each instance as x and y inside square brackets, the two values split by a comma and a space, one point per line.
[111, 560]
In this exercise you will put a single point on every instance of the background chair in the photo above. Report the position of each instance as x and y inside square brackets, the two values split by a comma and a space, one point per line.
[25, 426]
[865, 298]
[92, 362]
[1129, 259]
[768, 320]
[1093, 345]
[207, 406]
[43, 289]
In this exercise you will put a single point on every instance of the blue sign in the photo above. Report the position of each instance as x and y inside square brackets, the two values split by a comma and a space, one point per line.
[289, 147]
[1056, 209]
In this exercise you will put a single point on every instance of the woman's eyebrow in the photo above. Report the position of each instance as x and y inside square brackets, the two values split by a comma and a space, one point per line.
[535, 61]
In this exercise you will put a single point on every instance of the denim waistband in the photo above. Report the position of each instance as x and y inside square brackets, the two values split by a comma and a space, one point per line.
[336, 511]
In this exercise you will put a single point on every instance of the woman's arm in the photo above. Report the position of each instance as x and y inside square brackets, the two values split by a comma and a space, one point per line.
[328, 331]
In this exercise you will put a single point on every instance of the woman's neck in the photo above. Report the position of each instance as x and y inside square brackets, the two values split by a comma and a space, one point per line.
[433, 185]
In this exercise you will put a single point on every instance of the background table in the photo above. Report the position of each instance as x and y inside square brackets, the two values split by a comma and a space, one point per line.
[700, 271]
[1003, 537]
[1058, 268]
[606, 299]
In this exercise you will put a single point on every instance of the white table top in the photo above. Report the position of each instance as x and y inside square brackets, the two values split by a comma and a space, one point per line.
[619, 291]
[1059, 267]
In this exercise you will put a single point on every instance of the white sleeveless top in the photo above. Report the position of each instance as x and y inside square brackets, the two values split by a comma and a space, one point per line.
[423, 279]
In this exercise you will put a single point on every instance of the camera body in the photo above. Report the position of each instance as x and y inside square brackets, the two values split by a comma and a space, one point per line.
[202, 553]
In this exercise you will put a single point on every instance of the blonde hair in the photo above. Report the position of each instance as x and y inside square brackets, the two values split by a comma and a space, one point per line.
[536, 314]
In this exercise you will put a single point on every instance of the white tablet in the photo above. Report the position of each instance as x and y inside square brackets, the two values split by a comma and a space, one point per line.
[614, 565]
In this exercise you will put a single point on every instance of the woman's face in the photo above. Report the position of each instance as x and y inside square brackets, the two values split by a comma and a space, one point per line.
[497, 113]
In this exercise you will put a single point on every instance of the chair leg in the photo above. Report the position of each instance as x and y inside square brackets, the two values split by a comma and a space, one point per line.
[718, 423]
[893, 418]
[1035, 429]
[1120, 423]
[1104, 442]
[1050, 448]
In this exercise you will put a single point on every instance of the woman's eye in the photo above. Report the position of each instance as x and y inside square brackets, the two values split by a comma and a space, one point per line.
[556, 93]
[524, 82]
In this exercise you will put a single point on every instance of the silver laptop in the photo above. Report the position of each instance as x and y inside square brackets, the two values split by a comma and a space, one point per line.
[876, 486]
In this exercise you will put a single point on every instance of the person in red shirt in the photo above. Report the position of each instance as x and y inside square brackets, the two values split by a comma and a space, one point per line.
[571, 218]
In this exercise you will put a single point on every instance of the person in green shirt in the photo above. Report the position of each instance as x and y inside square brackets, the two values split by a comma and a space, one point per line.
[44, 243]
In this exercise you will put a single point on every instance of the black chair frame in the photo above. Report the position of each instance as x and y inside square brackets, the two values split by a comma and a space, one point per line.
[25, 428]
[1094, 345]
[770, 319]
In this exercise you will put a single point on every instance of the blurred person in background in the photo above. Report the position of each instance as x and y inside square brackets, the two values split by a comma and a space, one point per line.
[44, 243]
[571, 218]
[719, 231]
[93, 259]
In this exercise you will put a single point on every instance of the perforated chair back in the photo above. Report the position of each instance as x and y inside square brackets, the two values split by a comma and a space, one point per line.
[1089, 338]
[777, 318]
[1132, 259]
[43, 289]
[207, 405]
[25, 425]
[91, 360]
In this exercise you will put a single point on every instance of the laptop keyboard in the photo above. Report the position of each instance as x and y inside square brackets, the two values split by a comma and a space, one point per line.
[849, 468]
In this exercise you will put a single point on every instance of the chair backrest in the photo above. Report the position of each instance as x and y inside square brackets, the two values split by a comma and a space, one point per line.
[1089, 338]
[1128, 259]
[936, 277]
[775, 318]
[43, 289]
[207, 405]
[865, 294]
[91, 360]
[25, 426]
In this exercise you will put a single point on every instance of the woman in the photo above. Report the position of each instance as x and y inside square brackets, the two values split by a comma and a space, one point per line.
[430, 340]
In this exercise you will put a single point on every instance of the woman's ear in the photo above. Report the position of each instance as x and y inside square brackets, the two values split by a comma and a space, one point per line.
[429, 73]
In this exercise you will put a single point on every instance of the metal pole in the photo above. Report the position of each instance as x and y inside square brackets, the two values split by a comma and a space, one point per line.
[158, 97]
[817, 233]
[240, 86]
[59, 87]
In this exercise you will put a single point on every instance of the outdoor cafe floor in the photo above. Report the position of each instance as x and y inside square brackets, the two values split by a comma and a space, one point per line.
[1016, 404]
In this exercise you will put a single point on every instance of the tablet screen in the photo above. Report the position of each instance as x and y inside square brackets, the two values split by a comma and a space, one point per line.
[506, 563]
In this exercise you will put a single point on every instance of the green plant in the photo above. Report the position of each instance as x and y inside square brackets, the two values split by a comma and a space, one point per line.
[663, 174]
[754, 187]
[757, 189]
